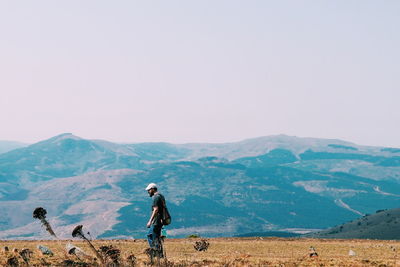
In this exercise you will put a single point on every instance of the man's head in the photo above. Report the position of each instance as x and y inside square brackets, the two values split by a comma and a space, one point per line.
[151, 189]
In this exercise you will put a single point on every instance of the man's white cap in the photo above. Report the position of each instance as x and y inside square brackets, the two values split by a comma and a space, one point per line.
[150, 186]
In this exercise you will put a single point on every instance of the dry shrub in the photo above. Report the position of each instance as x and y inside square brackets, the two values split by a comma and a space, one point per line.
[131, 260]
[26, 254]
[12, 262]
[111, 253]
[201, 245]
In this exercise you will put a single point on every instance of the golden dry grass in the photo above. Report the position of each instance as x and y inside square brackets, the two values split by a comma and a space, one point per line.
[230, 252]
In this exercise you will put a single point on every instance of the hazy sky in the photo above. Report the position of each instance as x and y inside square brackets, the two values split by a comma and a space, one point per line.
[200, 71]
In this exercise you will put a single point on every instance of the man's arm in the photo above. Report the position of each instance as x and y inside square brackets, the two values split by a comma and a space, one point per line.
[153, 214]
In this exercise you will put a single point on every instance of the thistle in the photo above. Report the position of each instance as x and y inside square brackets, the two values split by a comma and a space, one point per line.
[40, 214]
[77, 232]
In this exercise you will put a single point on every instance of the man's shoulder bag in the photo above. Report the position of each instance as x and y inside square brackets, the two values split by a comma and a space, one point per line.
[166, 217]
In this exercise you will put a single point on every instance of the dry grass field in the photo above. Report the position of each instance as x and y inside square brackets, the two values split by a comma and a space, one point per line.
[221, 252]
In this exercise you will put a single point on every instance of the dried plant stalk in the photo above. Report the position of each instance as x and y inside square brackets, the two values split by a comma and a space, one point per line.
[77, 232]
[26, 254]
[40, 214]
[112, 253]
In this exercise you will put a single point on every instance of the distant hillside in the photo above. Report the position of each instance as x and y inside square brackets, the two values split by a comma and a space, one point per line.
[384, 224]
[266, 184]
[6, 146]
[262, 145]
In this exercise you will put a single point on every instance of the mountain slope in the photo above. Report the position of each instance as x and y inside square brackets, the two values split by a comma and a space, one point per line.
[384, 224]
[63, 156]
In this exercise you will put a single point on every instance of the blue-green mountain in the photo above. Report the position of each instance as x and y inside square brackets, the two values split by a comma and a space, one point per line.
[273, 183]
[383, 224]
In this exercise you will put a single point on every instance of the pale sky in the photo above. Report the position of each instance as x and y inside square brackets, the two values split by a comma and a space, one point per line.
[200, 71]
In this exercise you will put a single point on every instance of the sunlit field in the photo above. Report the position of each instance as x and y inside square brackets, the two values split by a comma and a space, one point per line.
[221, 252]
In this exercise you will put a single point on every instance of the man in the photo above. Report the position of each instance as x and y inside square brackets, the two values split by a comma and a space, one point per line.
[155, 221]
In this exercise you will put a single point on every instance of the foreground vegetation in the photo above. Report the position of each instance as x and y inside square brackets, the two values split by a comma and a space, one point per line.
[221, 252]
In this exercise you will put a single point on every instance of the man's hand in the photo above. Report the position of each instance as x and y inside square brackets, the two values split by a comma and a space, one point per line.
[153, 214]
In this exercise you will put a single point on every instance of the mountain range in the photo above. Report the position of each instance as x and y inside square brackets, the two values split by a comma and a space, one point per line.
[273, 183]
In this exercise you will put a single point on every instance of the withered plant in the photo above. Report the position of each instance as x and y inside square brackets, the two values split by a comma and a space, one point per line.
[12, 262]
[131, 260]
[40, 214]
[201, 245]
[111, 253]
[26, 254]
[77, 232]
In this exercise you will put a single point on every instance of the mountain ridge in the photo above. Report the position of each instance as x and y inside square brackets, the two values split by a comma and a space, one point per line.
[383, 224]
[211, 189]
